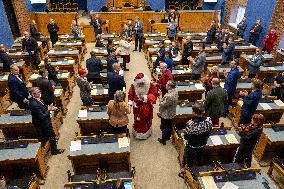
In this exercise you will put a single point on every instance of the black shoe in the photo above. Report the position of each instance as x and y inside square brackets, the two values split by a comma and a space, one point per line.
[134, 50]
[162, 141]
[181, 174]
[58, 151]
[126, 69]
[139, 50]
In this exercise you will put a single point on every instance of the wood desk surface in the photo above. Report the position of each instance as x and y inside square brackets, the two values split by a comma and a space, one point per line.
[93, 115]
[274, 136]
[70, 37]
[275, 105]
[190, 87]
[63, 51]
[60, 76]
[183, 110]
[109, 35]
[221, 69]
[241, 86]
[62, 62]
[154, 34]
[68, 43]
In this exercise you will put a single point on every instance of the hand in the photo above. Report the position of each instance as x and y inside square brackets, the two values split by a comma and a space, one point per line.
[243, 93]
[26, 101]
[225, 73]
[190, 58]
[32, 52]
[57, 68]
[160, 93]
[277, 85]
[159, 54]
[224, 45]
[53, 87]
[51, 107]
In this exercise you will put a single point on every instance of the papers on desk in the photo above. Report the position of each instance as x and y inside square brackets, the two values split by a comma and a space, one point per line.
[69, 43]
[265, 106]
[272, 68]
[94, 92]
[222, 84]
[5, 77]
[75, 145]
[121, 72]
[123, 142]
[105, 91]
[180, 71]
[59, 62]
[216, 140]
[167, 41]
[64, 52]
[208, 182]
[34, 76]
[279, 103]
[199, 86]
[18, 53]
[83, 113]
[187, 70]
[96, 50]
[231, 139]
[229, 185]
[57, 92]
[65, 75]
[51, 51]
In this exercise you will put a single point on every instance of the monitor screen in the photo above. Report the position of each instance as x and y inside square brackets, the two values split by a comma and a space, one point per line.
[210, 1]
[37, 1]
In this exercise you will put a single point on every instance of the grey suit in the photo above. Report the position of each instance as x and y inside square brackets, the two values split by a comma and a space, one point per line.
[198, 63]
[254, 64]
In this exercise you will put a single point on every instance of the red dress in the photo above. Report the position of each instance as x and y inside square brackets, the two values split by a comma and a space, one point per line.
[143, 111]
[164, 78]
[269, 41]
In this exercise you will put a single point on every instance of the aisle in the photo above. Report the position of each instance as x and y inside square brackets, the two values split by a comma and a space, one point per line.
[156, 165]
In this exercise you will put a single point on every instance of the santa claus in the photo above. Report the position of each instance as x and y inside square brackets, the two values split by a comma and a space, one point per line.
[142, 95]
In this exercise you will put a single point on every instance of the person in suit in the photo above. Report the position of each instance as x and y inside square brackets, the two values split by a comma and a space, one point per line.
[167, 111]
[164, 78]
[160, 54]
[250, 101]
[85, 87]
[138, 29]
[53, 30]
[52, 72]
[197, 64]
[115, 81]
[5, 59]
[255, 31]
[211, 33]
[18, 91]
[228, 52]
[169, 60]
[254, 63]
[278, 86]
[97, 24]
[99, 43]
[250, 135]
[76, 30]
[30, 45]
[109, 46]
[41, 120]
[215, 100]
[46, 87]
[172, 30]
[241, 27]
[231, 80]
[33, 30]
[220, 33]
[174, 49]
[226, 36]
[187, 49]
[111, 59]
[94, 67]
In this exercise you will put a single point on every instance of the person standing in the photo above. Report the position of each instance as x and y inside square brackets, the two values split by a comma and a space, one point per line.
[211, 33]
[169, 60]
[250, 135]
[228, 52]
[33, 30]
[213, 73]
[53, 30]
[255, 31]
[167, 111]
[124, 51]
[164, 78]
[187, 50]
[111, 59]
[215, 100]
[160, 54]
[97, 24]
[141, 96]
[5, 59]
[270, 41]
[42, 121]
[250, 101]
[18, 91]
[231, 80]
[52, 72]
[118, 110]
[278, 86]
[94, 67]
[254, 63]
[46, 87]
[172, 30]
[115, 81]
[138, 29]
[85, 87]
[30, 45]
[197, 64]
[241, 27]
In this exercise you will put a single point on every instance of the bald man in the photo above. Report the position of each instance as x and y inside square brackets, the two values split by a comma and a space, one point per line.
[29, 44]
[215, 100]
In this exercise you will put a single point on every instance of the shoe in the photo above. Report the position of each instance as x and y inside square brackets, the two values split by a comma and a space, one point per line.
[134, 50]
[181, 174]
[126, 69]
[56, 152]
[139, 50]
[162, 141]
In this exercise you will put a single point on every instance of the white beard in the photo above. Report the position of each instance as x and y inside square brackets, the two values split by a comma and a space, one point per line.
[141, 91]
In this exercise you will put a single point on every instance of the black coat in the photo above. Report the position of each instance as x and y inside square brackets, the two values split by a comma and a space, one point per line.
[94, 66]
[47, 92]
[211, 34]
[29, 45]
[17, 88]
[52, 73]
[40, 114]
[34, 33]
[53, 29]
[110, 61]
[6, 60]
[115, 82]
[187, 49]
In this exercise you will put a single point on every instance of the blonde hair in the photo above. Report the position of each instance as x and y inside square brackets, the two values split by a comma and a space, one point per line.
[119, 96]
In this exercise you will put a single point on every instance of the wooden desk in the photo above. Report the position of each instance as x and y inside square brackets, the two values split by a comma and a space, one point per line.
[154, 35]
[113, 36]
[152, 42]
[18, 46]
[276, 166]
[214, 151]
[159, 27]
[71, 37]
[65, 52]
[194, 35]
[190, 92]
[4, 83]
[183, 114]
[27, 160]
[19, 55]
[279, 57]
[244, 59]
[92, 156]
[94, 122]
[268, 73]
[61, 101]
[28, 183]
[222, 68]
[65, 64]
[269, 144]
[100, 93]
[181, 74]
[104, 61]
[101, 51]
[70, 44]
[241, 86]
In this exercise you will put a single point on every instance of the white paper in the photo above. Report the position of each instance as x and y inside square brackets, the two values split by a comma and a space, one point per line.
[71, 61]
[167, 41]
[216, 140]
[5, 77]
[265, 106]
[208, 182]
[123, 142]
[105, 91]
[75, 146]
[69, 43]
[96, 50]
[147, 41]
[222, 84]
[83, 113]
[59, 62]
[158, 70]
[231, 139]
[229, 185]
[51, 51]
[18, 53]
[180, 71]
[94, 92]
[272, 68]
[65, 75]
[64, 52]
[34, 76]
[279, 103]
[199, 86]
[121, 72]
[57, 92]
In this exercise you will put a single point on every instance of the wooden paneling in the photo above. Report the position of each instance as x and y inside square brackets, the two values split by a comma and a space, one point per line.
[21, 15]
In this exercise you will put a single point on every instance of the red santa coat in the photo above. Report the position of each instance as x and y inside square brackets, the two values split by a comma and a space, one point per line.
[143, 111]
[269, 41]
[164, 78]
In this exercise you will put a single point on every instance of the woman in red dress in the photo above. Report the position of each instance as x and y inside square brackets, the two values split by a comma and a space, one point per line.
[270, 40]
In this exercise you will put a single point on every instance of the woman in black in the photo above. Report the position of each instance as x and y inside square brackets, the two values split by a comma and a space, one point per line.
[249, 137]
[53, 29]
[52, 72]
[33, 30]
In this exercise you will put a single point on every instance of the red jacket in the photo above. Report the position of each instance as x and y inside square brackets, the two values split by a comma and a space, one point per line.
[269, 41]
[164, 78]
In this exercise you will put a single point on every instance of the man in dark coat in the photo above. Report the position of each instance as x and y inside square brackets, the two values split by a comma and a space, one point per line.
[41, 120]
[255, 31]
[94, 66]
[53, 30]
[30, 45]
[18, 91]
[5, 59]
[46, 87]
[115, 81]
[138, 29]
[242, 27]
[250, 101]
[111, 59]
[97, 23]
[161, 54]
[187, 50]
[228, 51]
[211, 33]
[52, 72]
[33, 30]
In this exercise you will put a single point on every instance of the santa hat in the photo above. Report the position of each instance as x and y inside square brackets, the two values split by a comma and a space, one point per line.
[139, 76]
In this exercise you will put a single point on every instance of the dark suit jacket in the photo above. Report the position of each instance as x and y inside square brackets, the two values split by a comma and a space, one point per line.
[97, 23]
[227, 54]
[18, 89]
[110, 61]
[34, 33]
[115, 82]
[94, 66]
[47, 92]
[52, 28]
[6, 60]
[29, 45]
[187, 49]
[231, 81]
[250, 103]
[40, 113]
[52, 73]
[211, 34]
